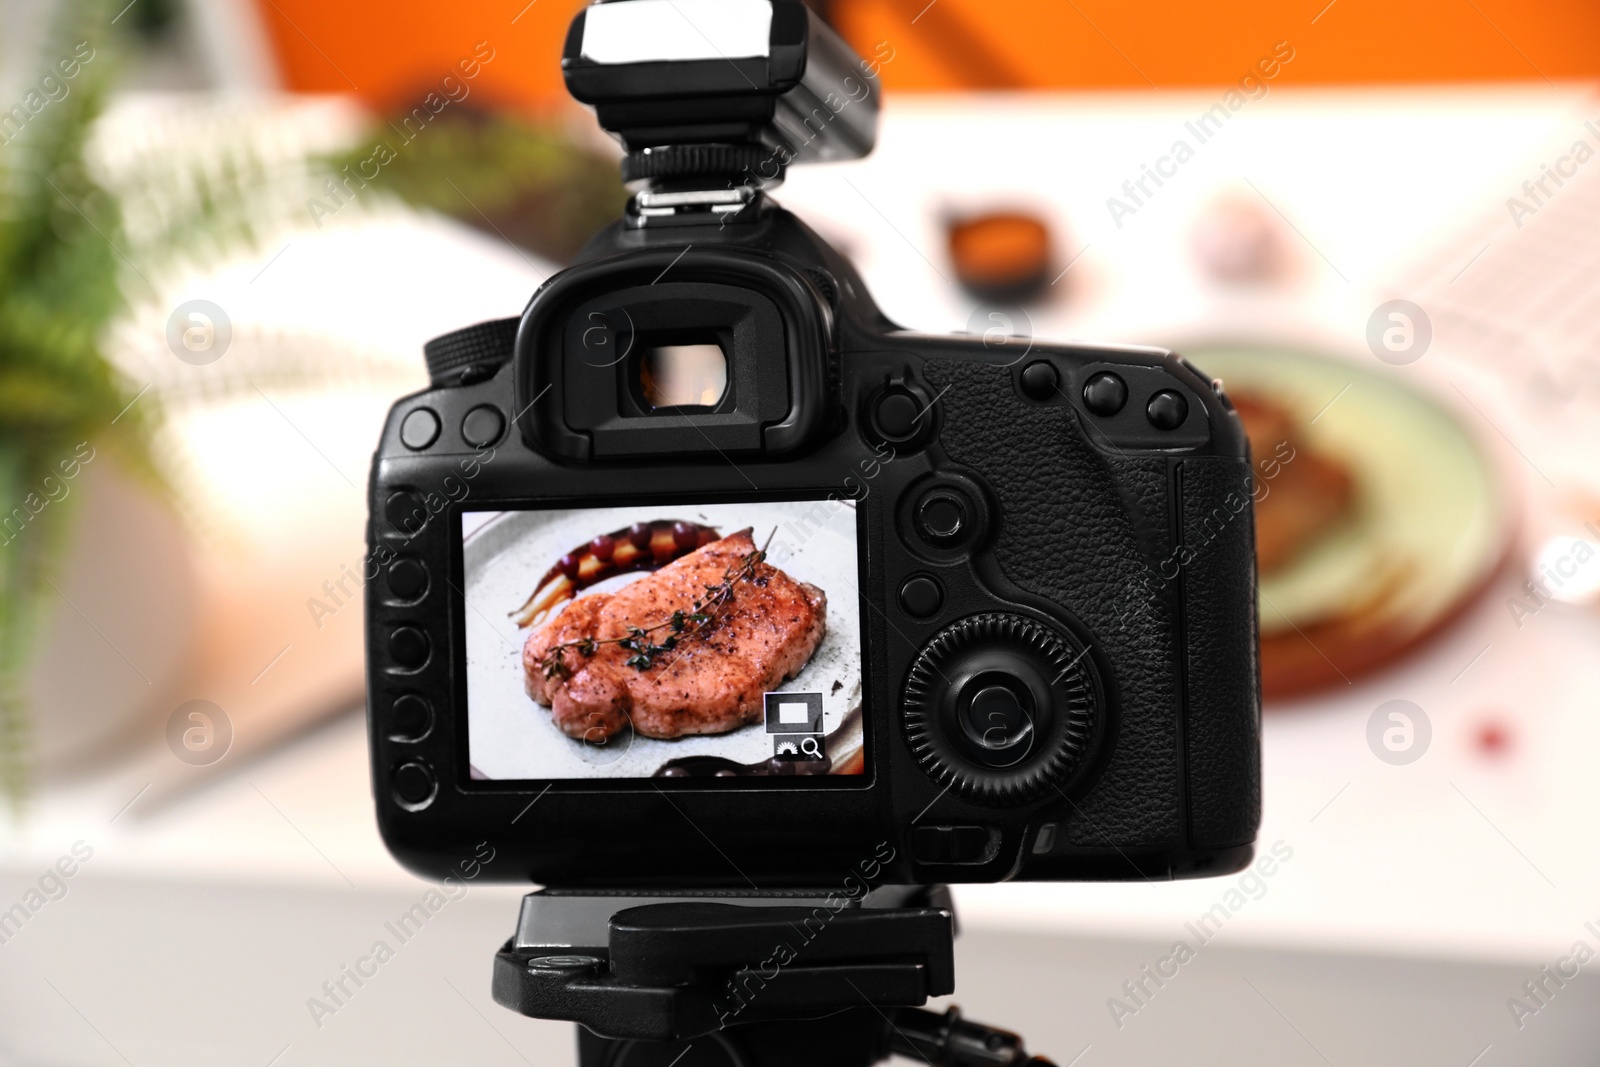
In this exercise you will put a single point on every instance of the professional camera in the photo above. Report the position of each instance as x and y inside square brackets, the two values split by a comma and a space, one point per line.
[702, 574]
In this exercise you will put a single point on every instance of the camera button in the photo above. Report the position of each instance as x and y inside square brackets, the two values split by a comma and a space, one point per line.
[968, 844]
[1167, 410]
[482, 426]
[1039, 381]
[414, 785]
[896, 415]
[950, 844]
[408, 647]
[941, 516]
[996, 719]
[410, 718]
[405, 512]
[1104, 394]
[407, 578]
[420, 429]
[921, 597]
[931, 844]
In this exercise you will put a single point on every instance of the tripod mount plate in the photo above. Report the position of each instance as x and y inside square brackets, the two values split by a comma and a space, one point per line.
[663, 968]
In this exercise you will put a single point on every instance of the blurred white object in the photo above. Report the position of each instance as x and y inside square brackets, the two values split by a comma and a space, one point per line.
[208, 44]
[1237, 238]
[121, 619]
[1562, 562]
[1516, 293]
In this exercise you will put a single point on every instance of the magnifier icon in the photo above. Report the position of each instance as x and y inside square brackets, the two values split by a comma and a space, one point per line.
[811, 747]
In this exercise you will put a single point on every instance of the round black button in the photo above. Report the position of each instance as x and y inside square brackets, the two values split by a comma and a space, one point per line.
[1039, 381]
[1167, 410]
[996, 718]
[413, 785]
[921, 596]
[941, 516]
[410, 718]
[408, 647]
[405, 512]
[896, 416]
[1104, 394]
[482, 426]
[408, 579]
[420, 429]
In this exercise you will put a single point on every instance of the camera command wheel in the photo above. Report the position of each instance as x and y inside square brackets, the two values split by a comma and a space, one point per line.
[999, 707]
[764, 979]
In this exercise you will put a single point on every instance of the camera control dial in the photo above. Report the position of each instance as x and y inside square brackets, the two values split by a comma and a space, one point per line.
[1000, 708]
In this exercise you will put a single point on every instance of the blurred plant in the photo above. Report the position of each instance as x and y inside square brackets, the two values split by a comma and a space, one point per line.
[530, 183]
[71, 265]
[60, 286]
[87, 241]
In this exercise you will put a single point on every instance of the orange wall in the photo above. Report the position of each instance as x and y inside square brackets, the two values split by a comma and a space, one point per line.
[390, 51]
[1091, 43]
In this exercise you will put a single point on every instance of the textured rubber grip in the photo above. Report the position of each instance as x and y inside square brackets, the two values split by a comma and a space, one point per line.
[485, 345]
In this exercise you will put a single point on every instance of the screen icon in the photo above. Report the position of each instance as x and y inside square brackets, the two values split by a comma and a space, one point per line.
[812, 747]
[794, 713]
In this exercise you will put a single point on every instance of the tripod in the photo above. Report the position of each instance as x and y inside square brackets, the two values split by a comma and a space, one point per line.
[746, 979]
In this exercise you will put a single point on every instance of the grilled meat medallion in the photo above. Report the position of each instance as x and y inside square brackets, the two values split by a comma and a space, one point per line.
[713, 680]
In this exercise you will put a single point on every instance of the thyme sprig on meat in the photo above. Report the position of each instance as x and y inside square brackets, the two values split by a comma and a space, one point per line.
[680, 626]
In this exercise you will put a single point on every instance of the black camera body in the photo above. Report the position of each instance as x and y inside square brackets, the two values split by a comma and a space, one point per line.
[994, 618]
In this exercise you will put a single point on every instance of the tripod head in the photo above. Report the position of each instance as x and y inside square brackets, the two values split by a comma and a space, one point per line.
[758, 979]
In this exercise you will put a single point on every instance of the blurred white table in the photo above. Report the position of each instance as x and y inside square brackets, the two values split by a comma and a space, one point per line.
[1417, 899]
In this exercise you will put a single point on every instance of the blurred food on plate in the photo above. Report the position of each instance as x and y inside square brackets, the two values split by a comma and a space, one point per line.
[1379, 517]
[1311, 492]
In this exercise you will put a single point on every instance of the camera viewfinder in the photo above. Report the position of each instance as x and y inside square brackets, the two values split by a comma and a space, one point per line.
[683, 375]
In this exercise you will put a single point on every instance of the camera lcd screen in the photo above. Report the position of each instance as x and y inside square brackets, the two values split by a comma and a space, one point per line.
[707, 641]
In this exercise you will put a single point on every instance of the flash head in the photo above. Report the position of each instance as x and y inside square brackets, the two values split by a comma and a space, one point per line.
[708, 92]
